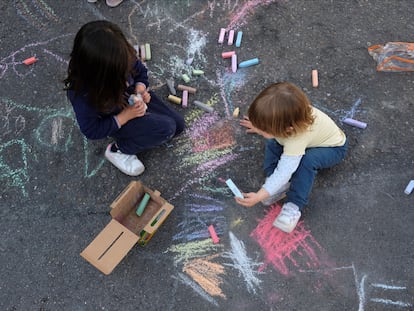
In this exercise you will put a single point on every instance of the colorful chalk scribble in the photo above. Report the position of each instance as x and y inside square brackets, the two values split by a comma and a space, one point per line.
[280, 248]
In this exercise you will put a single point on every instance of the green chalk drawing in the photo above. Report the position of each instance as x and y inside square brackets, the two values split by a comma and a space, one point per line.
[17, 177]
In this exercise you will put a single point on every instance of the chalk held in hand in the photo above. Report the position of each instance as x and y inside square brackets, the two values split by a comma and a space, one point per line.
[234, 188]
[248, 63]
[409, 187]
[213, 234]
[355, 123]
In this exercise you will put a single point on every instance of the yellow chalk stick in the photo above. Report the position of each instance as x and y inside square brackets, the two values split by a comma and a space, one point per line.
[236, 112]
[174, 99]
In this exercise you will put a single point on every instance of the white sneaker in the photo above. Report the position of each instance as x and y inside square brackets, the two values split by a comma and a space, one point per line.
[113, 3]
[277, 196]
[288, 217]
[126, 163]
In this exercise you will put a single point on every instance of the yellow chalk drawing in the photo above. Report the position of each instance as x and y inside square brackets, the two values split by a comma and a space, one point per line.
[206, 274]
[236, 223]
[191, 250]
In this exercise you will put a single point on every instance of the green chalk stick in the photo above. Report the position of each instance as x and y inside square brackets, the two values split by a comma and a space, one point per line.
[147, 51]
[197, 72]
[186, 78]
[143, 204]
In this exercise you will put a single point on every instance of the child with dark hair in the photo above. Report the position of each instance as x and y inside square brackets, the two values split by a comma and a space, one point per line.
[300, 140]
[103, 73]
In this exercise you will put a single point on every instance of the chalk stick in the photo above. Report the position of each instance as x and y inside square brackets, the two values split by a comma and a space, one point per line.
[355, 123]
[186, 78]
[185, 99]
[189, 61]
[236, 112]
[213, 234]
[30, 60]
[171, 88]
[134, 98]
[203, 106]
[234, 63]
[239, 38]
[142, 52]
[409, 187]
[315, 81]
[143, 204]
[221, 36]
[234, 188]
[174, 99]
[227, 54]
[197, 72]
[231, 37]
[248, 63]
[147, 51]
[190, 89]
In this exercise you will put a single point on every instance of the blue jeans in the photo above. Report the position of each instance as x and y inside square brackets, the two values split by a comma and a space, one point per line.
[302, 179]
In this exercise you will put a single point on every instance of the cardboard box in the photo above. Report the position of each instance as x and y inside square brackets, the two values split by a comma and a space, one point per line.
[126, 228]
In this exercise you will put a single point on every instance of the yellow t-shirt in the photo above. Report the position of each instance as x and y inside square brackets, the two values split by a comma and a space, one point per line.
[322, 133]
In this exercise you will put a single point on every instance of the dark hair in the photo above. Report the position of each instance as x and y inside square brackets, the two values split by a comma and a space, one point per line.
[100, 62]
[281, 109]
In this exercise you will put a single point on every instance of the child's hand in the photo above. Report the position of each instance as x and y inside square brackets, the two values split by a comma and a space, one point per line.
[131, 112]
[248, 125]
[146, 97]
[249, 199]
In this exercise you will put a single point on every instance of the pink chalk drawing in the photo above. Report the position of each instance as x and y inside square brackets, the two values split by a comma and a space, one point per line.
[283, 250]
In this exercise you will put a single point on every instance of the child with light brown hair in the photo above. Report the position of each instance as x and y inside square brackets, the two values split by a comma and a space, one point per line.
[300, 140]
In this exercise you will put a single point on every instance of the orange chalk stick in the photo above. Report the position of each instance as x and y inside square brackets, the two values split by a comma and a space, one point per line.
[30, 60]
[213, 234]
[315, 81]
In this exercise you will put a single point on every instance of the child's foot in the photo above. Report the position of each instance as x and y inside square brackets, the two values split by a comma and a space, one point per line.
[113, 3]
[277, 196]
[288, 217]
[126, 163]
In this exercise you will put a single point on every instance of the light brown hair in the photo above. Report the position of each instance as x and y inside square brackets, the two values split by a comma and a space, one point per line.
[282, 110]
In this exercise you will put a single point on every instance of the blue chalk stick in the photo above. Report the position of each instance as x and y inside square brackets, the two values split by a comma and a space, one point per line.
[248, 63]
[239, 38]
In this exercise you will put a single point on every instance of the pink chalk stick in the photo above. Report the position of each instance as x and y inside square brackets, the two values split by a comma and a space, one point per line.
[234, 62]
[30, 60]
[227, 54]
[231, 37]
[185, 99]
[221, 36]
[213, 234]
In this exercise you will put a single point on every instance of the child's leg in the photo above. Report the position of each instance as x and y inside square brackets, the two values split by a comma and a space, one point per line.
[158, 106]
[273, 151]
[314, 159]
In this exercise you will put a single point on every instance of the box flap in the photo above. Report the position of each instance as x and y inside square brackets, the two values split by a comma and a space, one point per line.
[110, 247]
